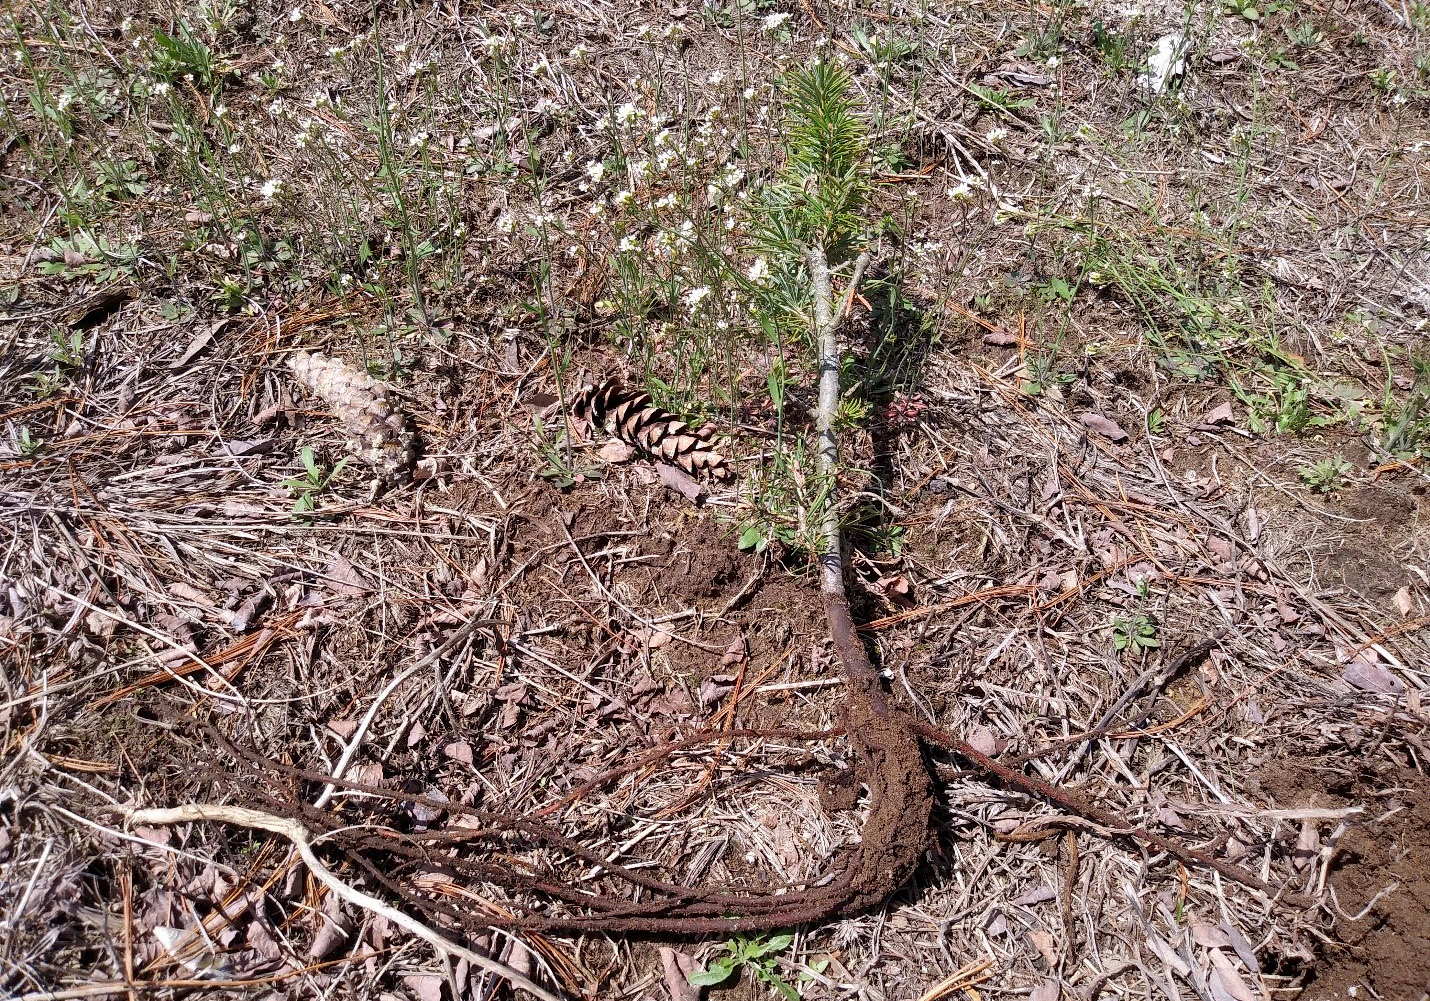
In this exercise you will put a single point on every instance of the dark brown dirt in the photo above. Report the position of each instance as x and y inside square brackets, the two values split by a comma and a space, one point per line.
[1388, 949]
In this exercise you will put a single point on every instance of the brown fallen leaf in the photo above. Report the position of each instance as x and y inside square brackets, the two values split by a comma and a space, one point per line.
[1108, 429]
[677, 967]
[615, 452]
[681, 482]
[1208, 935]
[1403, 604]
[1000, 338]
[734, 653]
[1365, 672]
[1226, 983]
[1220, 414]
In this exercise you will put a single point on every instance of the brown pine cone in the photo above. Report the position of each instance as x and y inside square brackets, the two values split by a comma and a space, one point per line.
[637, 421]
[364, 405]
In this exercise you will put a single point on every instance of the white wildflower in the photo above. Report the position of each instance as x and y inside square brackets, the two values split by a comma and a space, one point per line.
[716, 78]
[960, 192]
[1054, 62]
[505, 223]
[220, 110]
[595, 170]
[578, 52]
[628, 243]
[997, 134]
[665, 201]
[295, 15]
[748, 93]
[694, 297]
[774, 21]
[546, 106]
[627, 113]
[275, 107]
[272, 188]
[759, 270]
[161, 88]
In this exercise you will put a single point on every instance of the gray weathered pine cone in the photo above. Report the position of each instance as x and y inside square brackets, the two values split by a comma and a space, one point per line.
[366, 408]
[636, 420]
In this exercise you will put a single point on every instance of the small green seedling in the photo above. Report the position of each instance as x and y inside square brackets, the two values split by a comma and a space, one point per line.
[1137, 633]
[1325, 476]
[314, 481]
[755, 954]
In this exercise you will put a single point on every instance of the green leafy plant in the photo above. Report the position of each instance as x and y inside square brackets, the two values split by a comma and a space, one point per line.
[68, 348]
[1137, 633]
[1242, 8]
[1325, 476]
[1406, 424]
[1042, 375]
[559, 468]
[1303, 35]
[1115, 47]
[754, 954]
[998, 99]
[27, 443]
[882, 47]
[89, 255]
[314, 481]
[183, 57]
[120, 179]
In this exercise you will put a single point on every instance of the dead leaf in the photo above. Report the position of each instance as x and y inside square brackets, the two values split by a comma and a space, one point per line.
[981, 739]
[1403, 604]
[734, 653]
[1220, 414]
[425, 813]
[1210, 936]
[1367, 673]
[1225, 983]
[425, 986]
[335, 927]
[459, 750]
[680, 481]
[897, 590]
[1043, 942]
[615, 452]
[715, 688]
[344, 578]
[654, 638]
[245, 613]
[344, 728]
[1048, 990]
[1308, 845]
[677, 967]
[1037, 895]
[1108, 429]
[1000, 339]
[198, 342]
